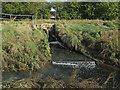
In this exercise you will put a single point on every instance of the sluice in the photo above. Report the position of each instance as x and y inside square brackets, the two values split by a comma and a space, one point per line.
[76, 64]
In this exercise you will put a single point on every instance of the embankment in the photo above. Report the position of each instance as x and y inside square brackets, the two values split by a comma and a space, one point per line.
[23, 47]
[98, 40]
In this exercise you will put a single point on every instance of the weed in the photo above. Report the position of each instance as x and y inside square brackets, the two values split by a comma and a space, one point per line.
[23, 48]
[97, 38]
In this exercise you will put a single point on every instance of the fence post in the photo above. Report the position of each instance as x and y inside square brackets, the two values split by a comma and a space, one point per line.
[36, 19]
[10, 18]
[42, 18]
[33, 18]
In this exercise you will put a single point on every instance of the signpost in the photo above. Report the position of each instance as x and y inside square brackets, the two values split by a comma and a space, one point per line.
[53, 10]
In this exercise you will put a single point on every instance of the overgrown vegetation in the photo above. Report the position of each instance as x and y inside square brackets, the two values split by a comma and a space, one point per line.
[26, 48]
[108, 79]
[50, 83]
[96, 39]
[23, 47]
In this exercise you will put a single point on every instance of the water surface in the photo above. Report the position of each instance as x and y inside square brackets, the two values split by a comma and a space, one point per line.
[100, 73]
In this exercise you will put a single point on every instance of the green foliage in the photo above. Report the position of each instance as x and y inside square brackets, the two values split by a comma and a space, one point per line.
[23, 48]
[92, 38]
[66, 10]
[64, 15]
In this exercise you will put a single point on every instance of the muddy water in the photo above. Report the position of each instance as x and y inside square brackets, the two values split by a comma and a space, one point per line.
[100, 73]
[58, 53]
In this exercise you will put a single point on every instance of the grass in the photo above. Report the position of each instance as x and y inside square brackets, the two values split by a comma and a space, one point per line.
[96, 80]
[95, 38]
[92, 37]
[50, 82]
[26, 48]
[23, 47]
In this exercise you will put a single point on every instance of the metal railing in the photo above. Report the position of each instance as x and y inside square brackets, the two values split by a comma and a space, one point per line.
[15, 16]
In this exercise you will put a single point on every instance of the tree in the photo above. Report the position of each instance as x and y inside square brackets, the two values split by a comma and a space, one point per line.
[66, 10]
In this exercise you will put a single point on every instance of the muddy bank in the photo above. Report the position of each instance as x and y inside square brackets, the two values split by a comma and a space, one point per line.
[79, 78]
[51, 83]
[98, 40]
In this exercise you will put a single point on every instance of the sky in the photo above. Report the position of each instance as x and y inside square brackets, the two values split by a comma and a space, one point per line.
[84, 0]
[57, 0]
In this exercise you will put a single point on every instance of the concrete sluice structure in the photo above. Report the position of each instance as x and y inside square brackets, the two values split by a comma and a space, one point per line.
[76, 64]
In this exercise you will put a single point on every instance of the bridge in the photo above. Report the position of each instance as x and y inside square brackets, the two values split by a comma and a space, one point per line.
[76, 64]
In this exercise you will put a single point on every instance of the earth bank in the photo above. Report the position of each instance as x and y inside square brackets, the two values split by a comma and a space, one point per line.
[98, 40]
[27, 48]
[24, 47]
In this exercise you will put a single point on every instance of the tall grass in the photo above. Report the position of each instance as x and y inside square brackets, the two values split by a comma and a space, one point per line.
[23, 47]
[95, 38]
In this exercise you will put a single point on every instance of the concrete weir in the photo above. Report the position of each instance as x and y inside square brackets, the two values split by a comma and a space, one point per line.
[75, 64]
[54, 40]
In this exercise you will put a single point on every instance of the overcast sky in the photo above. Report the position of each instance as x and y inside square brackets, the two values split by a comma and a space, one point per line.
[84, 0]
[56, 0]
[59, 0]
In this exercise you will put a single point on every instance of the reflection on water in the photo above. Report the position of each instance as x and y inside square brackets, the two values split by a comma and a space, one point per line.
[59, 53]
[101, 74]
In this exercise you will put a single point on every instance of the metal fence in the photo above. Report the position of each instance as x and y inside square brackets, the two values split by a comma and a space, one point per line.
[14, 17]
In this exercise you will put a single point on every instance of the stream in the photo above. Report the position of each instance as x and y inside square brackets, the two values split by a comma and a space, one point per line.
[64, 72]
[61, 72]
